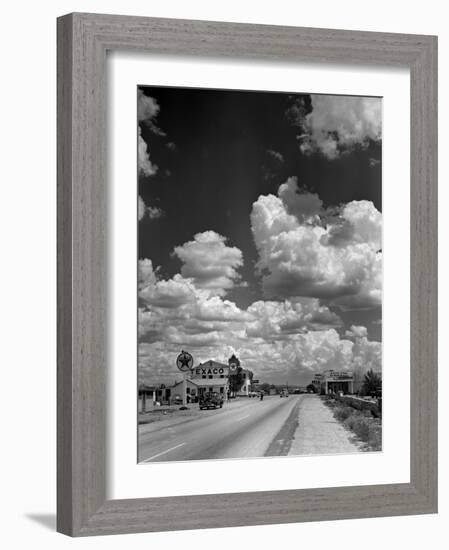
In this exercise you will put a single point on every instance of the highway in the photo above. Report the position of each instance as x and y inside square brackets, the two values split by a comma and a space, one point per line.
[242, 428]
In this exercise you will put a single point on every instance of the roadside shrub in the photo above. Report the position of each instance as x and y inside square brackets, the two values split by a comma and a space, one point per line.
[359, 425]
[375, 437]
[342, 413]
[361, 422]
[329, 401]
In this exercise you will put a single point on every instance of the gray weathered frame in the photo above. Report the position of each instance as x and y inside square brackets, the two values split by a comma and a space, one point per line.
[83, 40]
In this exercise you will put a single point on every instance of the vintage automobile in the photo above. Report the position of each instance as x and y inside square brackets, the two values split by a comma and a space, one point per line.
[283, 393]
[211, 400]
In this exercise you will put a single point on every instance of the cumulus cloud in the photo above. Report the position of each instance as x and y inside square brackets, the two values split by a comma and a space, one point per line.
[338, 259]
[276, 156]
[276, 320]
[153, 212]
[141, 208]
[337, 124]
[147, 107]
[356, 332]
[303, 205]
[209, 262]
[366, 354]
[177, 306]
[177, 312]
[172, 293]
[147, 111]
[146, 273]
[146, 167]
[274, 339]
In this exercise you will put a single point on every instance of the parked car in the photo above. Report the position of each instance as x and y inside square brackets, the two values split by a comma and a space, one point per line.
[211, 400]
[283, 393]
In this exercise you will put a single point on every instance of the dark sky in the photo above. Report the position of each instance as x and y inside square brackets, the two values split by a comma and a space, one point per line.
[217, 152]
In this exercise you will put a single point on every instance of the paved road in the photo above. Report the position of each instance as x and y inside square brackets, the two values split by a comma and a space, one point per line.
[243, 428]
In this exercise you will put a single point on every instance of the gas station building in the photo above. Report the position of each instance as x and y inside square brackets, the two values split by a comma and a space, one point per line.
[210, 376]
[331, 381]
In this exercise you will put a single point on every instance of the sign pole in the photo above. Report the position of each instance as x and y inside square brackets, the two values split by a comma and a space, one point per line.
[184, 362]
[184, 399]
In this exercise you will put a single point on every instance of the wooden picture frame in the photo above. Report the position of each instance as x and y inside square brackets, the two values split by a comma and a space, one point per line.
[83, 40]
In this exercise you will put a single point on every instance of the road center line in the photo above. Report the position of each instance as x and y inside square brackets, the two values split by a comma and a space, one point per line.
[243, 417]
[163, 452]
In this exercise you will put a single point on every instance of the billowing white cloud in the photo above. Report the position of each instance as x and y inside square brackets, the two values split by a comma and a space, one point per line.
[276, 340]
[339, 123]
[147, 274]
[147, 111]
[147, 107]
[178, 302]
[366, 354]
[301, 255]
[172, 293]
[141, 208]
[153, 212]
[276, 320]
[356, 331]
[146, 167]
[209, 262]
[306, 207]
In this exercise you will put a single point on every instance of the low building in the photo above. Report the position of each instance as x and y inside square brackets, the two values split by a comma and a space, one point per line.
[316, 382]
[184, 392]
[332, 381]
[149, 396]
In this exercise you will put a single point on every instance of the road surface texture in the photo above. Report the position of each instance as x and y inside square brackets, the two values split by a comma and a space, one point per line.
[242, 428]
[318, 432]
[247, 428]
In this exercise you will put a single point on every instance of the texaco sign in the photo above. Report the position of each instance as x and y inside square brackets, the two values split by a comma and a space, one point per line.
[184, 361]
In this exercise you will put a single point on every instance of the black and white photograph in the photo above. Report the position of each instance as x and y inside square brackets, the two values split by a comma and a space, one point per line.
[259, 274]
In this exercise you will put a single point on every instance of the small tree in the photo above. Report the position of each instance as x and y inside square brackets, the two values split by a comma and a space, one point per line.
[236, 380]
[372, 383]
[236, 376]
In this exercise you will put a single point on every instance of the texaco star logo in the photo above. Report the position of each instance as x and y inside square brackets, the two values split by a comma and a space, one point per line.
[184, 361]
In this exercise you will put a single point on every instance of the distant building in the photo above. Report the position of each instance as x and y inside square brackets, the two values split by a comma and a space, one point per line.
[331, 381]
[150, 395]
[184, 392]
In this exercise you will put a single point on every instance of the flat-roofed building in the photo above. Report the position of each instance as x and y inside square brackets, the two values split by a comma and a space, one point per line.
[331, 381]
